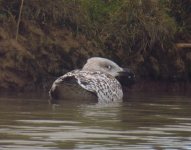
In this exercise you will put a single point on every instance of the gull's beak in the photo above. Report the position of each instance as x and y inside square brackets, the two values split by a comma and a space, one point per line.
[126, 77]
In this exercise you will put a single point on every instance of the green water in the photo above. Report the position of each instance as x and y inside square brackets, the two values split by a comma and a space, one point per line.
[150, 121]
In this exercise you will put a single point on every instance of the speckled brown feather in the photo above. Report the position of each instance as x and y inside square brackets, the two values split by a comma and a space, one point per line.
[105, 86]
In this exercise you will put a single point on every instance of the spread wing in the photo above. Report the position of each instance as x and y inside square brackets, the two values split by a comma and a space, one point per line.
[106, 87]
[66, 87]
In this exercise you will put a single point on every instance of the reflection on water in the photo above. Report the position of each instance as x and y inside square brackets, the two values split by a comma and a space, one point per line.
[144, 121]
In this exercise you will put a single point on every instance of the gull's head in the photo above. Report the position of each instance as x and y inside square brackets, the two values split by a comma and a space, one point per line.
[124, 75]
[103, 65]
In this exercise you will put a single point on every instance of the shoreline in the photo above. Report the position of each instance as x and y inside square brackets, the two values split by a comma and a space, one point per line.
[163, 86]
[138, 86]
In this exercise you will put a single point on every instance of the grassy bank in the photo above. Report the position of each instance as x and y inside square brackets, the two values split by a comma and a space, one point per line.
[60, 35]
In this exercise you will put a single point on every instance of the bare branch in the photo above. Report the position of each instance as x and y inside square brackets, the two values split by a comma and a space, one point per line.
[19, 19]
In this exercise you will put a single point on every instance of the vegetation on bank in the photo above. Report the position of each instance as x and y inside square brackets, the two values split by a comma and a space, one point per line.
[62, 34]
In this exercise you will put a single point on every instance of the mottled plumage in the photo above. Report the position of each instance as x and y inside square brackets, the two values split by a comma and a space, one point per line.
[105, 86]
[97, 79]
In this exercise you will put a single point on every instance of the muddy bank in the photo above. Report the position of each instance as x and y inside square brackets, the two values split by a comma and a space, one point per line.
[53, 40]
[39, 57]
[42, 54]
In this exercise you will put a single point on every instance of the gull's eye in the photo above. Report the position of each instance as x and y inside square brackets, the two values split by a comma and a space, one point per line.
[108, 67]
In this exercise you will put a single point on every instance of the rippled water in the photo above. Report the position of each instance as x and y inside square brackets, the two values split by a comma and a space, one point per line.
[152, 121]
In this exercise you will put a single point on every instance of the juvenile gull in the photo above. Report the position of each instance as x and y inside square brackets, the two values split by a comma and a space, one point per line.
[96, 80]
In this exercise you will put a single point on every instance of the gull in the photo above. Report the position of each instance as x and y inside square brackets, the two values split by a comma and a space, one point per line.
[97, 80]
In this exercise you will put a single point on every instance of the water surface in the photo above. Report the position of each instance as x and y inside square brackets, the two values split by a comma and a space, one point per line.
[152, 121]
